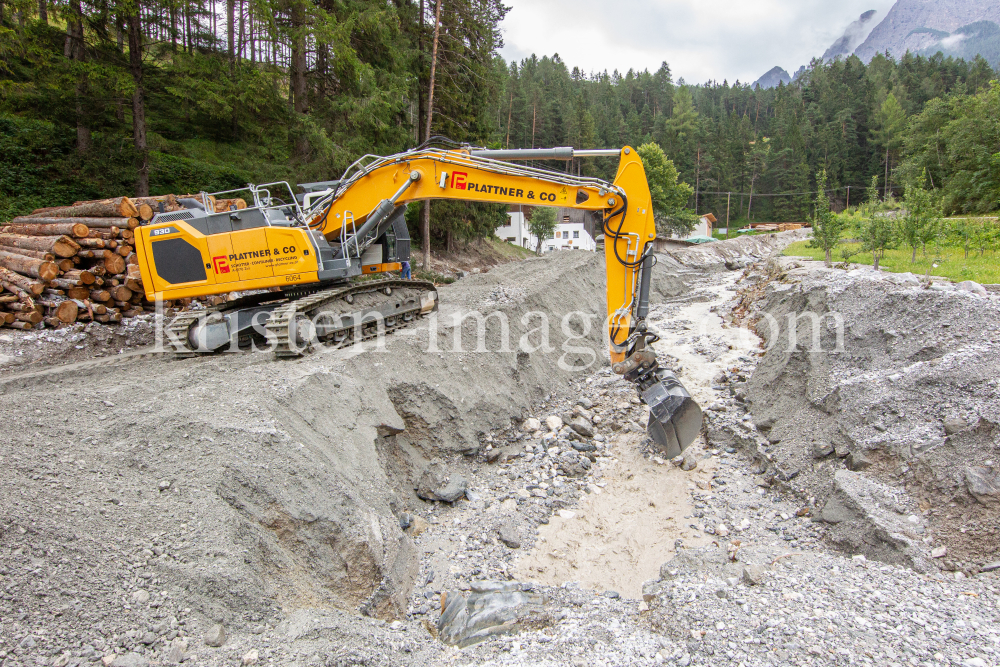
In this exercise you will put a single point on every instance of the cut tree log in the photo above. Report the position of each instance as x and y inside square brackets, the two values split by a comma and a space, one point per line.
[67, 311]
[95, 254]
[113, 264]
[134, 273]
[66, 264]
[222, 205]
[67, 227]
[24, 326]
[100, 295]
[78, 293]
[6, 318]
[29, 266]
[92, 243]
[198, 198]
[121, 293]
[36, 254]
[91, 223]
[82, 277]
[102, 208]
[60, 246]
[32, 317]
[124, 250]
[20, 285]
[106, 234]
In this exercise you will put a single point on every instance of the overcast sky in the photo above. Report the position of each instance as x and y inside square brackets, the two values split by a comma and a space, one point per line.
[700, 39]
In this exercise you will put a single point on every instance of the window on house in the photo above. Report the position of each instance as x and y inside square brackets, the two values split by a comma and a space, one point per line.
[576, 235]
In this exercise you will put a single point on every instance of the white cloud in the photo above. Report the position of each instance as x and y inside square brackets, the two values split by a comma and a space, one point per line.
[701, 40]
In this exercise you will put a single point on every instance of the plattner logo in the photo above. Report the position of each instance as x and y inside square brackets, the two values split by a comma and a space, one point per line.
[580, 338]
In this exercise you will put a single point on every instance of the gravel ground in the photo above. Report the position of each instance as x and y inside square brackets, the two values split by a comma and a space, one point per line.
[125, 568]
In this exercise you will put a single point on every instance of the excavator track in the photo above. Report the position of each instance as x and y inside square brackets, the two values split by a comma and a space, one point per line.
[178, 328]
[280, 326]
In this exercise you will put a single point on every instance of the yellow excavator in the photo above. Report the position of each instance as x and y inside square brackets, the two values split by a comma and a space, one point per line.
[313, 244]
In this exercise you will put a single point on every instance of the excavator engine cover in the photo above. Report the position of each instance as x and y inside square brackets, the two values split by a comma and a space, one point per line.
[674, 417]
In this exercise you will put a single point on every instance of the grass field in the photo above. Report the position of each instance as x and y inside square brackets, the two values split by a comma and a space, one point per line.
[951, 262]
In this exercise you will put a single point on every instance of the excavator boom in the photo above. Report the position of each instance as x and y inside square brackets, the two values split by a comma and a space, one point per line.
[355, 225]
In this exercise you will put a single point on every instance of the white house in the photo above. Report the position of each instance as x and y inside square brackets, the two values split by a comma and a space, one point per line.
[570, 236]
[516, 231]
[702, 229]
[572, 232]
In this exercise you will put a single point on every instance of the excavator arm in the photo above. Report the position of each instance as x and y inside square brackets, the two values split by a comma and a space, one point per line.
[356, 208]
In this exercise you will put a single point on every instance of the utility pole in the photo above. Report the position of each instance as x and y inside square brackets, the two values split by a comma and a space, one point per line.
[848, 196]
[728, 197]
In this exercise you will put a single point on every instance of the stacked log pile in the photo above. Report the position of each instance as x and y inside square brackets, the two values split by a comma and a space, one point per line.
[61, 265]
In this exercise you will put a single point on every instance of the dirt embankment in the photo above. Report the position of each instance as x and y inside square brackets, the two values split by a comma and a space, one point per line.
[879, 397]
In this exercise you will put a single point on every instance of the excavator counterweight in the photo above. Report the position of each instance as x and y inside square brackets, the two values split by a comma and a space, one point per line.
[300, 255]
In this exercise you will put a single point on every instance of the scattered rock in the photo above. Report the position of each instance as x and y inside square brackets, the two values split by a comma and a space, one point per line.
[722, 530]
[689, 462]
[939, 552]
[822, 449]
[437, 484]
[990, 567]
[176, 652]
[492, 609]
[531, 425]
[973, 287]
[140, 596]
[983, 485]
[754, 575]
[216, 636]
[251, 657]
[581, 446]
[582, 425]
[417, 525]
[554, 422]
[871, 518]
[130, 660]
[954, 424]
[508, 535]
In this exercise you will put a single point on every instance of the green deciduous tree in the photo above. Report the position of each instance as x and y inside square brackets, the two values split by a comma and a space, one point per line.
[921, 221]
[827, 225]
[542, 225]
[669, 196]
[876, 231]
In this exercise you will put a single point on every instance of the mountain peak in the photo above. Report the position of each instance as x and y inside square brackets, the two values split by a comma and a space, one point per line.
[855, 34]
[772, 78]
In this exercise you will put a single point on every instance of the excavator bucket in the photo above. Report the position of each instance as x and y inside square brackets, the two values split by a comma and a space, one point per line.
[674, 417]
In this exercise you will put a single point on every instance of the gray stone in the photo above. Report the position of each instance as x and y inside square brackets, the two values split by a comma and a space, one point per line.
[129, 660]
[216, 636]
[508, 535]
[870, 518]
[614, 595]
[754, 575]
[147, 638]
[585, 403]
[486, 614]
[584, 447]
[857, 460]
[175, 653]
[437, 484]
[954, 424]
[990, 567]
[822, 449]
[973, 287]
[531, 424]
[554, 422]
[690, 461]
[983, 485]
[582, 425]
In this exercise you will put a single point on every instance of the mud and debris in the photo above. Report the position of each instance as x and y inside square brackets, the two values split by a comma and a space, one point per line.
[432, 501]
